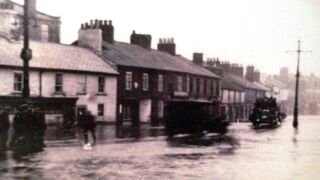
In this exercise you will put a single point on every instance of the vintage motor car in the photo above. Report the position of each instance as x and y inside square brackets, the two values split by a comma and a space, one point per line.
[266, 111]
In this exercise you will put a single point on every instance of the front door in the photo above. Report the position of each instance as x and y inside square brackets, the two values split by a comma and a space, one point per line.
[131, 113]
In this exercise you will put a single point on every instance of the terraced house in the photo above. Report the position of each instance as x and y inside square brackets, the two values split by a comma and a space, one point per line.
[150, 79]
[63, 79]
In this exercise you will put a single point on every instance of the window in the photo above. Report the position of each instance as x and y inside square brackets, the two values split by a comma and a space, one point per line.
[160, 109]
[82, 84]
[44, 33]
[18, 82]
[194, 85]
[160, 83]
[188, 83]
[101, 84]
[201, 86]
[208, 87]
[128, 80]
[214, 87]
[59, 83]
[100, 109]
[179, 83]
[145, 83]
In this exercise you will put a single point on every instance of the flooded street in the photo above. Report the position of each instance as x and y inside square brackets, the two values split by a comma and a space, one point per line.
[244, 153]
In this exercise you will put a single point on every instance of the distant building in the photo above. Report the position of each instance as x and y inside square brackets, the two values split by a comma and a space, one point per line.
[43, 27]
[149, 79]
[63, 79]
[279, 91]
[237, 93]
[284, 75]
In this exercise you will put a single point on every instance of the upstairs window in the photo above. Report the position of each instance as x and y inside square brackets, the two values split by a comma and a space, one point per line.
[179, 84]
[145, 83]
[194, 85]
[44, 33]
[59, 83]
[101, 84]
[214, 88]
[18, 82]
[160, 83]
[82, 84]
[201, 86]
[128, 80]
[208, 87]
[188, 83]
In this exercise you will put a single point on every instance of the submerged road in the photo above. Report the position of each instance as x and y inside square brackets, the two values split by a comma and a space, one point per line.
[244, 153]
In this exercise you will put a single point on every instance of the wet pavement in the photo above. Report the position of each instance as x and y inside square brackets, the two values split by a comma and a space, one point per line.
[243, 153]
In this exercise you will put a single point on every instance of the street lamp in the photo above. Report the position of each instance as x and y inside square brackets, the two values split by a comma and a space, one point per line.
[296, 99]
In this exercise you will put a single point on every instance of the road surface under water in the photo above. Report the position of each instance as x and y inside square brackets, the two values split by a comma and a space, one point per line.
[244, 153]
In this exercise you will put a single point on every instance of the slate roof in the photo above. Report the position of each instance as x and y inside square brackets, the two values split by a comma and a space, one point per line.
[245, 83]
[275, 83]
[230, 85]
[54, 56]
[126, 54]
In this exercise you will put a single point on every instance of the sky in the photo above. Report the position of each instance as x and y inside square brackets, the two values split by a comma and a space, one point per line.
[248, 32]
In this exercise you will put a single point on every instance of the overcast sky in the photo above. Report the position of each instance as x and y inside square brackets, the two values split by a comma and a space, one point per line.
[241, 31]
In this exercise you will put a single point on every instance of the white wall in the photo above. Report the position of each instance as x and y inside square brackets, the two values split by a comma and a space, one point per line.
[70, 88]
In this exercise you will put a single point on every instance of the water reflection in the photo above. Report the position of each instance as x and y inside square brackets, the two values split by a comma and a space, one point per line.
[202, 140]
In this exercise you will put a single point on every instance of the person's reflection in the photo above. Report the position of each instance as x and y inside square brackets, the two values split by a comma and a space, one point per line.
[4, 128]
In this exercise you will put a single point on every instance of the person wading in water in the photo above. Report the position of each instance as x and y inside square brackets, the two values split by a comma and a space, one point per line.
[86, 123]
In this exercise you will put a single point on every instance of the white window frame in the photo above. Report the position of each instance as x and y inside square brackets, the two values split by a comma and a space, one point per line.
[201, 86]
[17, 83]
[188, 83]
[128, 81]
[179, 83]
[160, 83]
[145, 82]
[101, 84]
[82, 84]
[44, 32]
[57, 84]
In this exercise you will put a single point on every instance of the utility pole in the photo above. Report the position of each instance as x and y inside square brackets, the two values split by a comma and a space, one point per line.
[26, 53]
[296, 99]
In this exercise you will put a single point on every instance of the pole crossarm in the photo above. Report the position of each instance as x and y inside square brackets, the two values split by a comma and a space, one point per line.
[296, 101]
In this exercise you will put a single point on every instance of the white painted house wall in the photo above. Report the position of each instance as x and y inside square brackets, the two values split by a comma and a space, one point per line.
[70, 87]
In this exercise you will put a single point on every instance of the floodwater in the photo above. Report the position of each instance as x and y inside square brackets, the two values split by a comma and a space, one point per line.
[244, 153]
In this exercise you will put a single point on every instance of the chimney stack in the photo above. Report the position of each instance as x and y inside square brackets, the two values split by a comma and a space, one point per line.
[142, 40]
[198, 58]
[33, 8]
[93, 34]
[90, 37]
[256, 76]
[167, 45]
[250, 73]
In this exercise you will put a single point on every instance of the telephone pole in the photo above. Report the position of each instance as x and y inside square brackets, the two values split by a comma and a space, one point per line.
[296, 99]
[26, 53]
